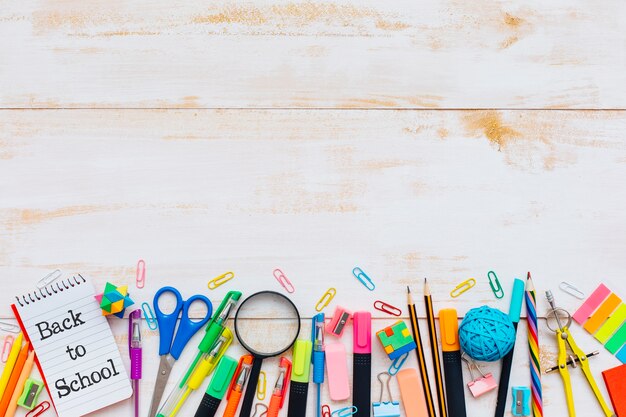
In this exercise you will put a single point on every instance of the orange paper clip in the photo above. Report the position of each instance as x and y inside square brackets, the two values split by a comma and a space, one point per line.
[387, 308]
[140, 279]
[326, 299]
[325, 410]
[222, 279]
[283, 281]
[6, 347]
[39, 409]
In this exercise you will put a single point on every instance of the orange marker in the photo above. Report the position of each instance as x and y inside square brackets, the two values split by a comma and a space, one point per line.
[237, 385]
[15, 376]
[28, 367]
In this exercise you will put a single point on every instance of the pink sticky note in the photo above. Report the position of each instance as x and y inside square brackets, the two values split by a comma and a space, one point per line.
[595, 299]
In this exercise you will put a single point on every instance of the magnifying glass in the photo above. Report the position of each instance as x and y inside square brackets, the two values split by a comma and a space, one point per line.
[264, 338]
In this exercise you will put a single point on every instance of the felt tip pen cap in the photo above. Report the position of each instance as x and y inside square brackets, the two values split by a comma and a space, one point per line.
[301, 360]
[362, 332]
[448, 321]
[284, 366]
[222, 377]
[517, 297]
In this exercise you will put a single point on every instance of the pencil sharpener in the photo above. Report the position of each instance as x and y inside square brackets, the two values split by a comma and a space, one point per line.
[32, 389]
[482, 385]
[386, 409]
[521, 401]
[338, 323]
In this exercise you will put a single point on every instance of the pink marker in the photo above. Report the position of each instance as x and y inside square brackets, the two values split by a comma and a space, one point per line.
[362, 362]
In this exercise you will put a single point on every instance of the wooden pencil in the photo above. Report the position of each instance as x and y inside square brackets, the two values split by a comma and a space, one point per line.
[419, 350]
[434, 347]
[15, 376]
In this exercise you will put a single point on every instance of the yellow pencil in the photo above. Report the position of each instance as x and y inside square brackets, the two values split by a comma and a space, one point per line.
[434, 346]
[8, 368]
[26, 370]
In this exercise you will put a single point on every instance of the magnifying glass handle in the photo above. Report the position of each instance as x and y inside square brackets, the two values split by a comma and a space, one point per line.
[253, 379]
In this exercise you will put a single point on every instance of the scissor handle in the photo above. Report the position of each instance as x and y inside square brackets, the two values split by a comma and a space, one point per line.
[167, 322]
[188, 327]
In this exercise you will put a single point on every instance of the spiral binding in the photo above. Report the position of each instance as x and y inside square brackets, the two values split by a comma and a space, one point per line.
[50, 290]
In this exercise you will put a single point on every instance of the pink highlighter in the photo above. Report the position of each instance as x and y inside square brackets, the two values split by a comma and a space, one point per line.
[362, 363]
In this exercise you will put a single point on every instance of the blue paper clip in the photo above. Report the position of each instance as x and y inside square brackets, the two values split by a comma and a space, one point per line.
[345, 412]
[397, 363]
[151, 320]
[363, 278]
[494, 283]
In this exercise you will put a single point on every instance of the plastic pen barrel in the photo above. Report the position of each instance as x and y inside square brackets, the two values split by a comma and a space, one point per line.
[362, 363]
[274, 408]
[217, 387]
[451, 350]
[301, 367]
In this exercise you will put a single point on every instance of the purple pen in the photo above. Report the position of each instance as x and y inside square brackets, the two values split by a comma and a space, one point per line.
[134, 349]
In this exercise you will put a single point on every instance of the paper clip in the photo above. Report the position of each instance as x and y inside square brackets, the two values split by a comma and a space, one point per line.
[151, 320]
[140, 278]
[283, 281]
[572, 290]
[9, 327]
[325, 410]
[49, 279]
[217, 281]
[494, 283]
[39, 409]
[462, 287]
[261, 386]
[6, 347]
[397, 363]
[363, 278]
[326, 299]
[256, 410]
[387, 308]
[345, 412]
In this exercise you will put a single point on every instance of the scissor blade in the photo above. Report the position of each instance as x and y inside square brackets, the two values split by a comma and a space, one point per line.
[165, 367]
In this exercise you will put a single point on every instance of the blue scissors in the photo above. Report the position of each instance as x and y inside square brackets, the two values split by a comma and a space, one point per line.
[170, 345]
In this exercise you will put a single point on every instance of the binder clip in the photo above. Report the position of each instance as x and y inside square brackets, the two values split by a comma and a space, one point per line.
[521, 401]
[382, 408]
[479, 386]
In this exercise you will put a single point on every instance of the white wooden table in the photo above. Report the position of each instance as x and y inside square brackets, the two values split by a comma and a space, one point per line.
[440, 139]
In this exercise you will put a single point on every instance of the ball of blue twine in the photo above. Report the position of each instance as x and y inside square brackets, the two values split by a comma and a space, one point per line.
[486, 334]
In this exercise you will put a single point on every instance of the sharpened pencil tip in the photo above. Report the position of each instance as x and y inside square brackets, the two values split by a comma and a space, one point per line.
[528, 275]
[408, 289]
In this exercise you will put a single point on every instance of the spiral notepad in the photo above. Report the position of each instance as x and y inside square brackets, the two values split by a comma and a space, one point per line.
[75, 349]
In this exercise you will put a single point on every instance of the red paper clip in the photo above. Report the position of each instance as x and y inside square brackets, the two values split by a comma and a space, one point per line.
[387, 308]
[283, 281]
[6, 347]
[140, 280]
[325, 410]
[39, 409]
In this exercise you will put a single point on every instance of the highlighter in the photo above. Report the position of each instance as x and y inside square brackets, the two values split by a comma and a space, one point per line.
[451, 353]
[220, 381]
[362, 363]
[300, 370]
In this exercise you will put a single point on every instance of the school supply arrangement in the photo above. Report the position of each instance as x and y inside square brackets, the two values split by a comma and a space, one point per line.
[75, 350]
[68, 314]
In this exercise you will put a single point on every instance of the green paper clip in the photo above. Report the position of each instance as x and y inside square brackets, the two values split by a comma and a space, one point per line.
[32, 389]
[494, 283]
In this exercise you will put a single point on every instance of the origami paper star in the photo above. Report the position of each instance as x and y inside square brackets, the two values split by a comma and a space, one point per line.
[114, 300]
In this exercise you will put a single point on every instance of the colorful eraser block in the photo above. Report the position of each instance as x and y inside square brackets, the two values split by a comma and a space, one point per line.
[396, 339]
[595, 299]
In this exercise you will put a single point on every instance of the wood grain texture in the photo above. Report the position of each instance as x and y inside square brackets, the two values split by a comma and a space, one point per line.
[312, 53]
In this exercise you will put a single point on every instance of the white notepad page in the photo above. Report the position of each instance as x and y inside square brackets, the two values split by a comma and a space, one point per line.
[75, 347]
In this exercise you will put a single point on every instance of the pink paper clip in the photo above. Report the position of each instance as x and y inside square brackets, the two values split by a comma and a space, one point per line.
[387, 308]
[140, 280]
[39, 409]
[6, 347]
[283, 281]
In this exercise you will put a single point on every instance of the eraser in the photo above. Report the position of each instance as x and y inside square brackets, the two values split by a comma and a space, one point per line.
[337, 368]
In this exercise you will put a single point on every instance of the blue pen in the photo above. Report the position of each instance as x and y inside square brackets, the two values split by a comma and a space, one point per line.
[317, 357]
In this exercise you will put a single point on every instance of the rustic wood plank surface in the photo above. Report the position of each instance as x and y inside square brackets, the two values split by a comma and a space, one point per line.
[310, 53]
[440, 139]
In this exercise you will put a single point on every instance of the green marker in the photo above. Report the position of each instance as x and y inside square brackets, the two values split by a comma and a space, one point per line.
[217, 388]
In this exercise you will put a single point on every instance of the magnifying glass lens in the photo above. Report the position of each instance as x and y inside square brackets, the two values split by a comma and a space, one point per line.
[267, 324]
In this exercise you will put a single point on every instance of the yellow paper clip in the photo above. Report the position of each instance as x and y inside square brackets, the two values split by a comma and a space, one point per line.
[363, 278]
[462, 287]
[222, 279]
[326, 299]
[494, 283]
[261, 386]
[140, 275]
[283, 281]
